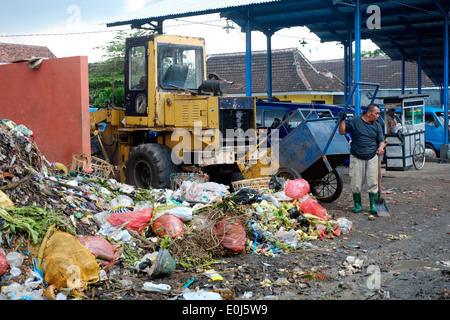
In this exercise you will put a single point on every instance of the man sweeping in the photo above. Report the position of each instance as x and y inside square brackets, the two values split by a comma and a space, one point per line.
[366, 145]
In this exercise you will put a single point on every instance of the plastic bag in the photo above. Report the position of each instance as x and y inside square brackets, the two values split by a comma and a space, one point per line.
[244, 196]
[231, 233]
[68, 263]
[191, 190]
[100, 248]
[138, 220]
[337, 230]
[311, 206]
[16, 291]
[288, 237]
[344, 224]
[321, 230]
[168, 224]
[297, 188]
[14, 259]
[4, 266]
[183, 213]
[121, 201]
[5, 201]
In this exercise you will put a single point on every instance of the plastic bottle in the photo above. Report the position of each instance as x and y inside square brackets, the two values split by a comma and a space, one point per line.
[156, 287]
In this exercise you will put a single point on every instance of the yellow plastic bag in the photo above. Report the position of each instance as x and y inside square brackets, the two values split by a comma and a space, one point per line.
[68, 264]
[5, 201]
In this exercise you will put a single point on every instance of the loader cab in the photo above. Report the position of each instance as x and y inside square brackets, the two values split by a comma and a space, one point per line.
[180, 66]
[160, 63]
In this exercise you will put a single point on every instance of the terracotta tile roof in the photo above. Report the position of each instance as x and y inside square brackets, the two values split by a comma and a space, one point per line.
[11, 52]
[291, 72]
[382, 70]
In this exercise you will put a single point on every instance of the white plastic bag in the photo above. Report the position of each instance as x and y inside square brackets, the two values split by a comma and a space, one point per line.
[183, 213]
[344, 224]
[121, 201]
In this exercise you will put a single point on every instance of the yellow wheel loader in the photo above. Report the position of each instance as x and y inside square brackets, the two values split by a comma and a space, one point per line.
[175, 117]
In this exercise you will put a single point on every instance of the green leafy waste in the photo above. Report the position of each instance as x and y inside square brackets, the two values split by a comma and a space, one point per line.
[33, 221]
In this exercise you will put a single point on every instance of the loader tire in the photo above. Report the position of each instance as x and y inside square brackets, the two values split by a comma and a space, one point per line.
[150, 165]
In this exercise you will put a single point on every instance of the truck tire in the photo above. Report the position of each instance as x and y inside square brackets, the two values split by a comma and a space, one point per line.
[150, 165]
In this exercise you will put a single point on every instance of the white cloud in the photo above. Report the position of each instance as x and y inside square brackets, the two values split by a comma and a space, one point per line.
[134, 5]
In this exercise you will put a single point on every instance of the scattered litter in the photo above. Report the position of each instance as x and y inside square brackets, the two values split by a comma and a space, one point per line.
[87, 223]
[201, 295]
[352, 265]
[213, 275]
[156, 287]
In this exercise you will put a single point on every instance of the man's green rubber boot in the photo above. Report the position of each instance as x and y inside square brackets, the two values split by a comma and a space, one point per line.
[372, 197]
[357, 202]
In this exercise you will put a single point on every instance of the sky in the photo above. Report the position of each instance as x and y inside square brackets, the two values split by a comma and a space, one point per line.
[76, 27]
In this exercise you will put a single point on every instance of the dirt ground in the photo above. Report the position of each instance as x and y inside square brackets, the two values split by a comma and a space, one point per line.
[401, 257]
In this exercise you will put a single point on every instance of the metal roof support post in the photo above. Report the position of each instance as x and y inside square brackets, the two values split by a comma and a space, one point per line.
[419, 66]
[159, 27]
[358, 58]
[446, 77]
[350, 61]
[269, 64]
[445, 88]
[403, 74]
[345, 71]
[248, 56]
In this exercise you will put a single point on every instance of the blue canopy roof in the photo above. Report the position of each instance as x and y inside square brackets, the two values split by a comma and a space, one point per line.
[405, 25]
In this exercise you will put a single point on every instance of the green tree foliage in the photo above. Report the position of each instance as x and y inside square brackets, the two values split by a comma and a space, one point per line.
[106, 78]
[372, 54]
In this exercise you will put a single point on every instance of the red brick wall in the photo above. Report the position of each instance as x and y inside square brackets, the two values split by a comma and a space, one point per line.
[52, 101]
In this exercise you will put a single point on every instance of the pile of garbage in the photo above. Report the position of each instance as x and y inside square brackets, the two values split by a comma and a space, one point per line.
[60, 231]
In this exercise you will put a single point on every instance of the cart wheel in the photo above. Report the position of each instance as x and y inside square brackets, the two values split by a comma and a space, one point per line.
[329, 188]
[419, 156]
[288, 174]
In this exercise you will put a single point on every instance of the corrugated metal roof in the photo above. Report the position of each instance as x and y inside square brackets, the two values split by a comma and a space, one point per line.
[404, 23]
[167, 9]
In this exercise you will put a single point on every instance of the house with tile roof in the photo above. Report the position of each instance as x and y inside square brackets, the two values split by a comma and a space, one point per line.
[387, 73]
[10, 52]
[294, 78]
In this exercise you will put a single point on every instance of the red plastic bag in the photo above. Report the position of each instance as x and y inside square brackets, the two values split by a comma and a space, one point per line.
[311, 206]
[323, 231]
[297, 188]
[100, 248]
[337, 230]
[138, 219]
[4, 266]
[168, 224]
[231, 233]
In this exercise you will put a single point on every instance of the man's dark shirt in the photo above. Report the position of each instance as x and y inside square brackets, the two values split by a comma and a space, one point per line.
[366, 137]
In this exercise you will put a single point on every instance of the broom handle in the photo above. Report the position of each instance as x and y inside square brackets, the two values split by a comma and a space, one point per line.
[379, 177]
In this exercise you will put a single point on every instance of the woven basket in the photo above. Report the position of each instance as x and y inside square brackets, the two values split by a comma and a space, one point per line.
[92, 167]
